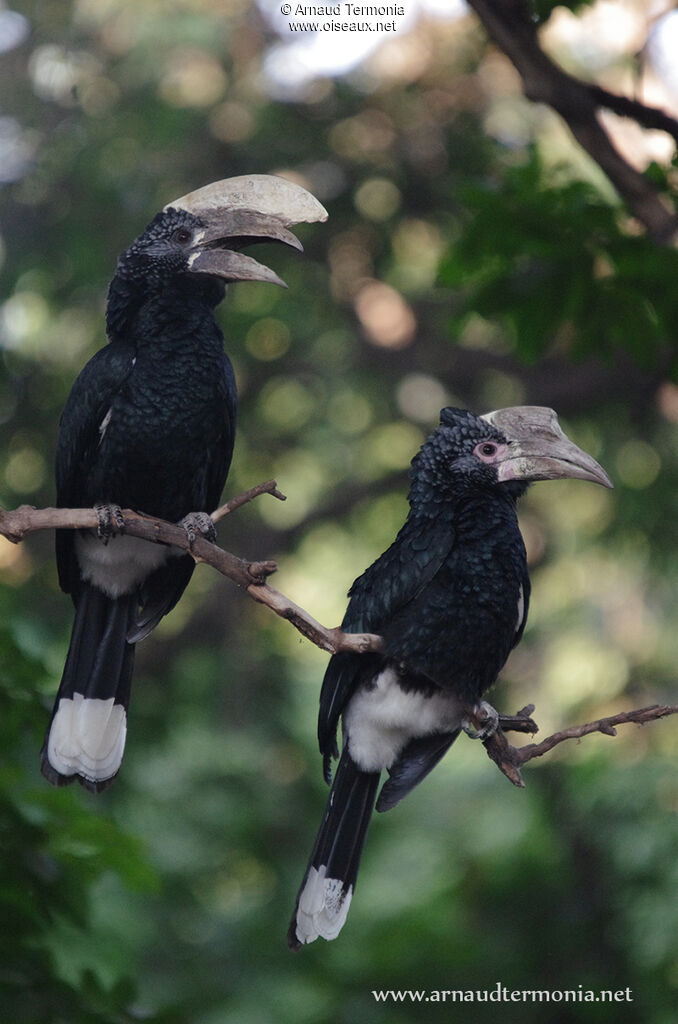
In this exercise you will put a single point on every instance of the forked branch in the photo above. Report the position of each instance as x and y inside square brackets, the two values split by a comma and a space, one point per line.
[509, 759]
[251, 576]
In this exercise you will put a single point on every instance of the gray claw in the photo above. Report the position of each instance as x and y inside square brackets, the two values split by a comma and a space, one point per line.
[110, 521]
[199, 524]
[487, 716]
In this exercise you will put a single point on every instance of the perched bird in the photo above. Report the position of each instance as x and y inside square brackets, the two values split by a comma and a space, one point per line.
[450, 599]
[149, 425]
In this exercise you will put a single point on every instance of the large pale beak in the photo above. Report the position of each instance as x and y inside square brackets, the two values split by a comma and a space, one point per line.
[241, 211]
[539, 450]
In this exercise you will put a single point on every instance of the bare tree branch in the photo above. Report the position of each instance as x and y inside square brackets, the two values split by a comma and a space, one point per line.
[251, 576]
[509, 759]
[508, 22]
[608, 726]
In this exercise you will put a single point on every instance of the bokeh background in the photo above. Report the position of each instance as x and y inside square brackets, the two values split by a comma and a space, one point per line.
[473, 256]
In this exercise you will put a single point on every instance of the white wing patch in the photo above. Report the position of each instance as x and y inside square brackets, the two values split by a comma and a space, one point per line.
[87, 737]
[521, 607]
[323, 906]
[104, 424]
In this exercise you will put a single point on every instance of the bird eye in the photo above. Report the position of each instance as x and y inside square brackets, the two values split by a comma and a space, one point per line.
[182, 236]
[486, 450]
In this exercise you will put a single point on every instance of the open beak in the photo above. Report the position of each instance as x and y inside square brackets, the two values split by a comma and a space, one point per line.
[241, 211]
[539, 450]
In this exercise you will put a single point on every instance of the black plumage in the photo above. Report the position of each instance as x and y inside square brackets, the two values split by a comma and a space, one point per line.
[450, 598]
[149, 425]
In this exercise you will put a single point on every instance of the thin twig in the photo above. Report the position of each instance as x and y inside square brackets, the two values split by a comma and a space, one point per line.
[608, 726]
[268, 487]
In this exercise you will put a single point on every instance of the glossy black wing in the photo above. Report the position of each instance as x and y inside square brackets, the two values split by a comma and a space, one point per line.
[413, 764]
[220, 451]
[81, 424]
[387, 587]
[164, 587]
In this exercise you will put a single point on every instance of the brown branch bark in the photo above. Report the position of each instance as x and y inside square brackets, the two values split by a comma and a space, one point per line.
[510, 759]
[251, 576]
[509, 24]
[268, 487]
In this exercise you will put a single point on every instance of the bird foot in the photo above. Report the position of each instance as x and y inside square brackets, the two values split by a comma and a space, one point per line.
[199, 524]
[487, 719]
[110, 521]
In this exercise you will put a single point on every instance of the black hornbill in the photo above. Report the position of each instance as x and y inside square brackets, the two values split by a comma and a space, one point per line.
[149, 425]
[450, 599]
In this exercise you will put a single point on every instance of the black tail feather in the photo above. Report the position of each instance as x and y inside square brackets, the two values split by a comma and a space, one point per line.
[86, 735]
[159, 594]
[325, 893]
[419, 757]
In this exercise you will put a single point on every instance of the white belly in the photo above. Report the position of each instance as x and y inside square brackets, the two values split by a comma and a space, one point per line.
[120, 566]
[380, 721]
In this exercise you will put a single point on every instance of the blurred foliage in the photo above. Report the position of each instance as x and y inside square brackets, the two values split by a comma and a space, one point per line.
[543, 9]
[472, 256]
[561, 262]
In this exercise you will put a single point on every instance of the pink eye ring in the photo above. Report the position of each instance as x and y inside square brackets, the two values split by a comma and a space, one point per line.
[486, 450]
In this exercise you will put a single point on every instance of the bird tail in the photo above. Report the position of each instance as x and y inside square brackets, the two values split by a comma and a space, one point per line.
[327, 888]
[86, 735]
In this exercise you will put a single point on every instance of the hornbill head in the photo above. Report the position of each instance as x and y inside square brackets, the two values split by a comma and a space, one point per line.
[537, 448]
[203, 232]
[507, 448]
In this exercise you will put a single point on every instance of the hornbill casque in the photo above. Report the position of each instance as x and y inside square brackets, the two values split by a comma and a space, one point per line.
[450, 599]
[149, 425]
